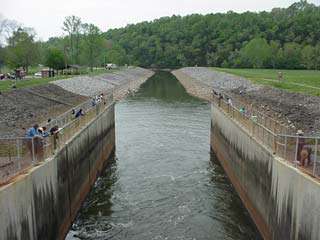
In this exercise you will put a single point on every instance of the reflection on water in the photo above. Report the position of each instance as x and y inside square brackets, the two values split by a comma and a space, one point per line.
[163, 182]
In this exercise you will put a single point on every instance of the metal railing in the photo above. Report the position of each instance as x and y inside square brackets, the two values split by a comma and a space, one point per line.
[66, 117]
[19, 154]
[301, 152]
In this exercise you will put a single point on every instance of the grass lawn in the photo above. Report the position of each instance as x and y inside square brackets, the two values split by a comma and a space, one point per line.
[304, 81]
[6, 85]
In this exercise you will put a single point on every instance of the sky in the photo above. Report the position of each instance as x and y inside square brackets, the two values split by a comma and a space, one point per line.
[46, 16]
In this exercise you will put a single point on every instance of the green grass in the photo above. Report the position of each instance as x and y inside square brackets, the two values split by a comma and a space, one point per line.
[6, 85]
[99, 71]
[303, 81]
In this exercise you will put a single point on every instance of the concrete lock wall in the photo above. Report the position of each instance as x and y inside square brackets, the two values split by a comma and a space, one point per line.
[43, 203]
[193, 86]
[283, 202]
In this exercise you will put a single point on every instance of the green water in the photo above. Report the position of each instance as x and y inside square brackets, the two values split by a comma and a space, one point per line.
[163, 183]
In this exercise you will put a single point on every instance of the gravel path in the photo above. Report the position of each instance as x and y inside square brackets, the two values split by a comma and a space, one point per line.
[218, 80]
[297, 110]
[92, 86]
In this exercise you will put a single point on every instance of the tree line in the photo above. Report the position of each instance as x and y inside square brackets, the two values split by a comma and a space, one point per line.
[82, 44]
[284, 38]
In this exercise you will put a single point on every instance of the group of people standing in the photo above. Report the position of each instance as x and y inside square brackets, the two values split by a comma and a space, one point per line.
[303, 150]
[98, 99]
[36, 139]
[37, 135]
[41, 132]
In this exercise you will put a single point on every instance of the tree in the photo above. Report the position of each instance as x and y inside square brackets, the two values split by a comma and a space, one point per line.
[291, 56]
[308, 57]
[116, 54]
[22, 50]
[256, 53]
[274, 50]
[93, 46]
[2, 57]
[317, 56]
[55, 59]
[72, 25]
[7, 27]
[216, 39]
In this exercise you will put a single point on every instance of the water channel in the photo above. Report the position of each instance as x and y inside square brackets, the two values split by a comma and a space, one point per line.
[163, 183]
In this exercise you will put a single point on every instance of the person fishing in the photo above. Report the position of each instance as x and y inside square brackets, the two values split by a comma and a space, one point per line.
[303, 152]
[35, 142]
[79, 113]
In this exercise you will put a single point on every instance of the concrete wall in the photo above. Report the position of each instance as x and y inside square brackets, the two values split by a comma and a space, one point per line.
[43, 203]
[284, 203]
[121, 91]
[193, 86]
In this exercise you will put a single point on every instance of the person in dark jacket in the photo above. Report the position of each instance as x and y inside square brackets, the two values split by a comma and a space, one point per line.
[79, 113]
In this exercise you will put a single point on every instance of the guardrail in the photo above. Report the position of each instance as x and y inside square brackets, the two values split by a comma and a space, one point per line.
[301, 152]
[66, 117]
[19, 154]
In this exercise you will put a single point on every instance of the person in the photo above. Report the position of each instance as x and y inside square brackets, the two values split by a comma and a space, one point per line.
[242, 110]
[33, 131]
[54, 132]
[35, 143]
[79, 113]
[42, 132]
[303, 152]
[93, 102]
[97, 99]
[220, 97]
[214, 92]
[101, 97]
[230, 102]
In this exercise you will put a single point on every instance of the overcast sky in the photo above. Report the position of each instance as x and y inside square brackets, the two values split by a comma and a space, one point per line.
[46, 16]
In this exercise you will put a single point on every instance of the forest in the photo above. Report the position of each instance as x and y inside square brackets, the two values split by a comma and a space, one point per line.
[284, 38]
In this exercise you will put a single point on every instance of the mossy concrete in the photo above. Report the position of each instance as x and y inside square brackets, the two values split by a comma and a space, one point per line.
[283, 201]
[43, 203]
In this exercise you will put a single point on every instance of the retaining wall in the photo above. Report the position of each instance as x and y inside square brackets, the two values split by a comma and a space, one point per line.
[283, 202]
[193, 86]
[122, 90]
[43, 203]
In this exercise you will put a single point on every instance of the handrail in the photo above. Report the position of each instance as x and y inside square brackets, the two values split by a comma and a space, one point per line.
[20, 153]
[300, 151]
